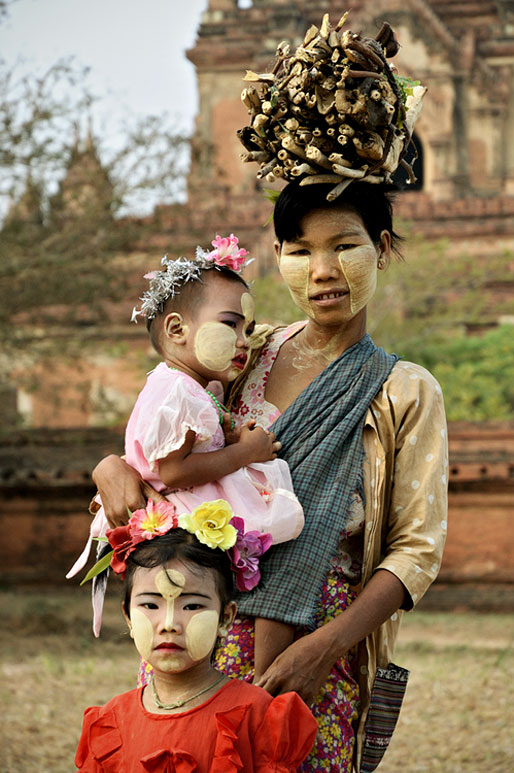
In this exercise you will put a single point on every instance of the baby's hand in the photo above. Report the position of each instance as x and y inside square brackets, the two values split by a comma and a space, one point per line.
[257, 444]
[232, 434]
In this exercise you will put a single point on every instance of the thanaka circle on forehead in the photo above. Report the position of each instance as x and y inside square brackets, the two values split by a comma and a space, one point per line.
[169, 583]
[215, 345]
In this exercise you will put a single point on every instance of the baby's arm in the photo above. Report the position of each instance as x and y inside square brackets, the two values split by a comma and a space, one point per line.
[271, 638]
[182, 469]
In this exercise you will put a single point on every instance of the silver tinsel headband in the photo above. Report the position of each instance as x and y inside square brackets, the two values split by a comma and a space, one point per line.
[168, 282]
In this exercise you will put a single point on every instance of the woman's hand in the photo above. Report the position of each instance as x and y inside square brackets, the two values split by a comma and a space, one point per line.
[303, 668]
[121, 487]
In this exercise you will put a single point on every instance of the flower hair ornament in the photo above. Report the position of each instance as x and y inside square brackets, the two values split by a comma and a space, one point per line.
[212, 523]
[333, 111]
[167, 282]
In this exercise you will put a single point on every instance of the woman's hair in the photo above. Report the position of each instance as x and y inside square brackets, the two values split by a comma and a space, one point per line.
[189, 299]
[179, 543]
[372, 202]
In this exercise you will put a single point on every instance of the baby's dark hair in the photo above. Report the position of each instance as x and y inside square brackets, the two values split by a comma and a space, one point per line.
[180, 544]
[188, 299]
[372, 202]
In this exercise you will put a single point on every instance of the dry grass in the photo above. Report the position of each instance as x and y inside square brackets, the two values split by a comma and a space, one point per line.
[457, 716]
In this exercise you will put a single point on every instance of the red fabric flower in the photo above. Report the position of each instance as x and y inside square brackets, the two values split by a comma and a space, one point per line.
[123, 544]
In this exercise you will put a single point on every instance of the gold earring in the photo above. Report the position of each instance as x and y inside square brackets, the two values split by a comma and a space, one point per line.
[381, 263]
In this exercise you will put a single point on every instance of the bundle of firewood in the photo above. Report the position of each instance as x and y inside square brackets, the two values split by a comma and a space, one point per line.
[332, 112]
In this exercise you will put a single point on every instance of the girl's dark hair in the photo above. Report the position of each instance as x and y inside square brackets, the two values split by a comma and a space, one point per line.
[372, 202]
[188, 299]
[179, 543]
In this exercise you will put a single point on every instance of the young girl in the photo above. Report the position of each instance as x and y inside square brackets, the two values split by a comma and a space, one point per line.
[180, 439]
[178, 600]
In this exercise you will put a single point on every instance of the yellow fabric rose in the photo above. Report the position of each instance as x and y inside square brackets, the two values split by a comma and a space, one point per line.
[210, 523]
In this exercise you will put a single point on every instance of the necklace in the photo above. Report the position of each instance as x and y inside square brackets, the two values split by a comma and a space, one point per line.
[221, 408]
[178, 704]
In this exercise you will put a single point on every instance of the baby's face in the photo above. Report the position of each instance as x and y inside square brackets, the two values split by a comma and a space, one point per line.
[218, 335]
[175, 616]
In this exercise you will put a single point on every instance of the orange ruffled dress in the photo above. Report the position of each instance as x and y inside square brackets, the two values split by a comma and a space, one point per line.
[241, 728]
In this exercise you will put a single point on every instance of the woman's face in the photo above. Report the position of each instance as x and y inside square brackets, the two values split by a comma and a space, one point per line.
[331, 267]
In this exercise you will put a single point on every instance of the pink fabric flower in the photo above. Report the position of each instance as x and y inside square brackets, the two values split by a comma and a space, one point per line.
[227, 253]
[153, 520]
[246, 553]
[147, 523]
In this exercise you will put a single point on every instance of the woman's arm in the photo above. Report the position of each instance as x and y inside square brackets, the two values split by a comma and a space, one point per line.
[121, 487]
[304, 666]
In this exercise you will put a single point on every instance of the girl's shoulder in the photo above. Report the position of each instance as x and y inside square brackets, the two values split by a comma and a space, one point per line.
[281, 730]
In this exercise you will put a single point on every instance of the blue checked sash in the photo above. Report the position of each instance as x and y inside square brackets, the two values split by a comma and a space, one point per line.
[321, 436]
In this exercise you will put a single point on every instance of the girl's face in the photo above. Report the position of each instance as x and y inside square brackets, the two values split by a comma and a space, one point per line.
[175, 616]
[331, 267]
[216, 336]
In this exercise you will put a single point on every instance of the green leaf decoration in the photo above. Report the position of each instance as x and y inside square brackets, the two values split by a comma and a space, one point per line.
[271, 195]
[100, 565]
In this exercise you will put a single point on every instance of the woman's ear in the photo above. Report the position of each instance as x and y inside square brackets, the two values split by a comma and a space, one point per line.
[227, 618]
[384, 250]
[175, 328]
[127, 620]
[277, 247]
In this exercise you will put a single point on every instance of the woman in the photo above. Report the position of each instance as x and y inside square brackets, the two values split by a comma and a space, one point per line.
[365, 438]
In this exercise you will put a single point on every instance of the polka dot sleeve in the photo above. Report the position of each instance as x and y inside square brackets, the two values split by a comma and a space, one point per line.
[417, 517]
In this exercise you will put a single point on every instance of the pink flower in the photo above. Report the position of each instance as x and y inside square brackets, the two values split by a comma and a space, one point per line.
[153, 521]
[226, 252]
[246, 553]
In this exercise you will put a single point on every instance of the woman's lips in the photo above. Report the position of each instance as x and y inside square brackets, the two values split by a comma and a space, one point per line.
[169, 646]
[329, 297]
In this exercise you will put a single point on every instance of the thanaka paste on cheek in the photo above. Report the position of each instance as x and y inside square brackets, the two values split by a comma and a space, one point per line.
[201, 633]
[248, 308]
[295, 273]
[215, 345]
[142, 631]
[359, 266]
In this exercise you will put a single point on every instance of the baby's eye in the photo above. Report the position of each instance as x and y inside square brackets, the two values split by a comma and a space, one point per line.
[341, 247]
[149, 605]
[193, 606]
[230, 323]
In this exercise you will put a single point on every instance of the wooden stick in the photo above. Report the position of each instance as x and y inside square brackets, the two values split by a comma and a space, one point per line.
[320, 178]
[343, 171]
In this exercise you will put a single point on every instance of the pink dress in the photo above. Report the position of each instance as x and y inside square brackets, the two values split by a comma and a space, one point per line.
[170, 404]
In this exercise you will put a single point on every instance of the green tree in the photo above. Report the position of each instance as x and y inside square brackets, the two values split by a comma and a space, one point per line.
[64, 199]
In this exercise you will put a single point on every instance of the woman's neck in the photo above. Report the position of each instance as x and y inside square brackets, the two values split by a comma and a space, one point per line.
[326, 344]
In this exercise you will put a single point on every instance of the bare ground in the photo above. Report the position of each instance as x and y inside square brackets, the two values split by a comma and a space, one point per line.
[457, 715]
